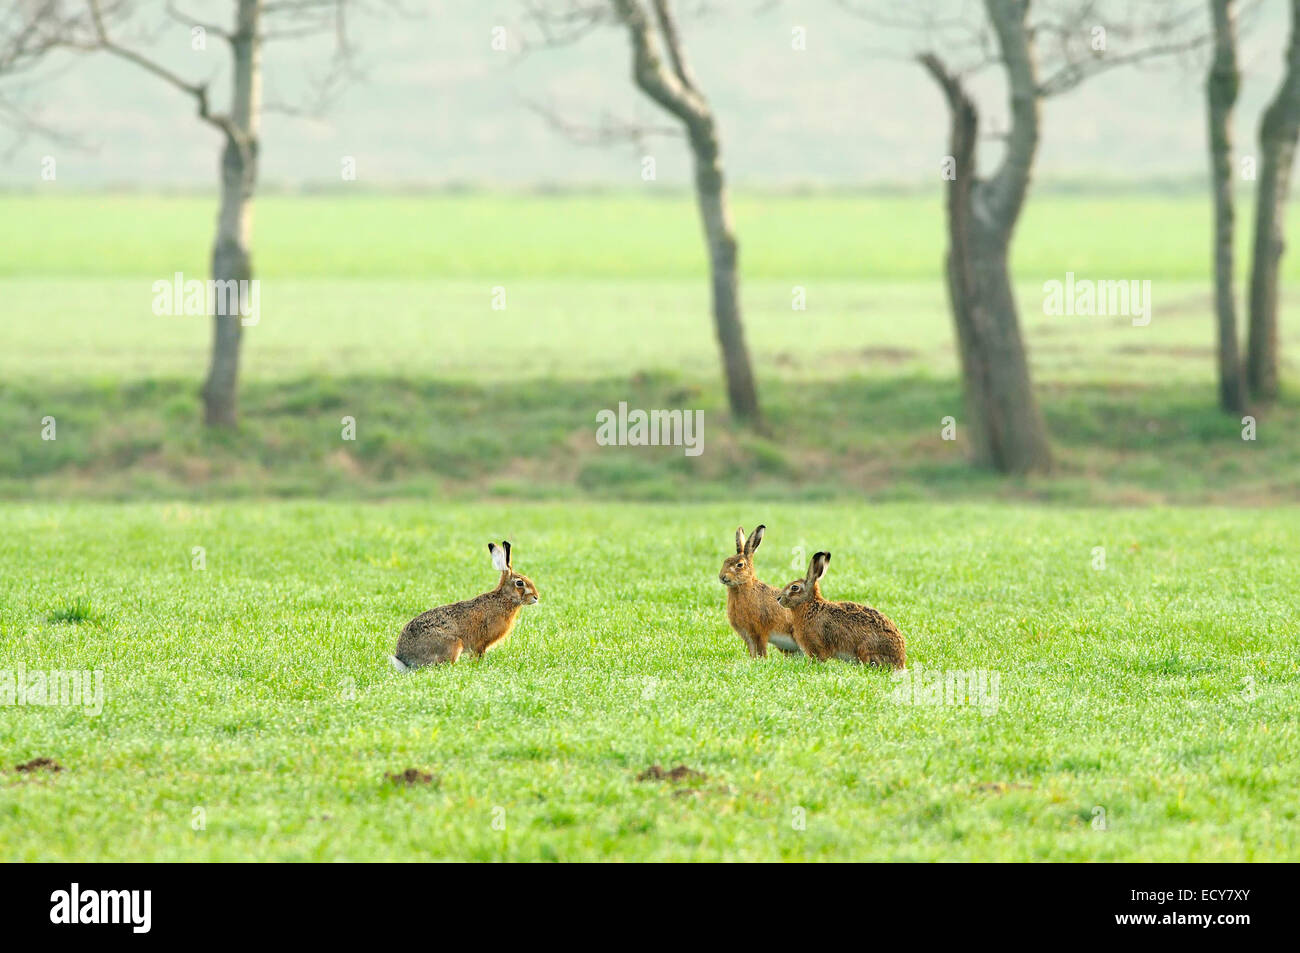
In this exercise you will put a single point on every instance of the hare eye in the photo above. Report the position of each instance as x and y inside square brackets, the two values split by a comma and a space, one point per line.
[519, 583]
[794, 588]
[740, 565]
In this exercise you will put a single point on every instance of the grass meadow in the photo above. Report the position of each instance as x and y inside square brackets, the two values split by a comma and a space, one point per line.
[1142, 712]
[380, 308]
[1133, 612]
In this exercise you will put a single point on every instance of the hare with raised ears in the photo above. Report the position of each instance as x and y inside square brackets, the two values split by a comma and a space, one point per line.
[474, 626]
[845, 630]
[752, 608]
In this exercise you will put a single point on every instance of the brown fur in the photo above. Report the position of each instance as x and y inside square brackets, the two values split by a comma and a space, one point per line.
[752, 608]
[474, 625]
[844, 629]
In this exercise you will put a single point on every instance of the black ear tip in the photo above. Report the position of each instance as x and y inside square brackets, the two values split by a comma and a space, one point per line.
[761, 527]
[492, 547]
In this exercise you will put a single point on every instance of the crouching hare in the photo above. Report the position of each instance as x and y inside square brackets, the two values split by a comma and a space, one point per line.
[752, 608]
[845, 630]
[475, 625]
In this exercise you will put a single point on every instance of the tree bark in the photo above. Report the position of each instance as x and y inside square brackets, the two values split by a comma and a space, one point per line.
[231, 259]
[1006, 426]
[673, 88]
[1278, 133]
[711, 197]
[1222, 85]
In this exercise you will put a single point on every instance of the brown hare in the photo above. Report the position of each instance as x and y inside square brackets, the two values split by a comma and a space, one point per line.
[475, 625]
[752, 608]
[845, 630]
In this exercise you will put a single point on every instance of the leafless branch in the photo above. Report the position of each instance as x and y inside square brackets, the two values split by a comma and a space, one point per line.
[182, 17]
[1072, 74]
[23, 125]
[29, 31]
[198, 91]
[608, 131]
[1150, 31]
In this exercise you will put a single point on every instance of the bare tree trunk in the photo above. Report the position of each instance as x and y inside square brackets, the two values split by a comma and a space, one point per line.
[711, 196]
[1278, 133]
[958, 267]
[1006, 426]
[1222, 86]
[673, 87]
[231, 247]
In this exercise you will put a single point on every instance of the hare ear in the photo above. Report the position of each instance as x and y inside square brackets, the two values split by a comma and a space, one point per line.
[505, 544]
[498, 556]
[817, 567]
[752, 543]
[740, 539]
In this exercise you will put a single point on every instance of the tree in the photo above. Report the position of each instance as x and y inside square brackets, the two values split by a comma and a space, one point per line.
[48, 26]
[1222, 85]
[28, 32]
[672, 86]
[1007, 428]
[1278, 133]
[1008, 432]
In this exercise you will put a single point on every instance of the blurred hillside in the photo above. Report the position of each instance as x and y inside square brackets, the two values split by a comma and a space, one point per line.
[438, 106]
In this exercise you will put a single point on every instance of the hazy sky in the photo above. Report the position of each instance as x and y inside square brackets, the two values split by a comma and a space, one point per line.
[438, 105]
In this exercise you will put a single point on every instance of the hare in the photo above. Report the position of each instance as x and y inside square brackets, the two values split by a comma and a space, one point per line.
[752, 608]
[475, 625]
[846, 630]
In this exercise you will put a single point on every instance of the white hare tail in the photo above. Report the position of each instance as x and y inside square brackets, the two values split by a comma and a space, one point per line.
[399, 664]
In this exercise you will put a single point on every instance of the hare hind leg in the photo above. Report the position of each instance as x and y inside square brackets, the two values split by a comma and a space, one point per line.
[436, 648]
[447, 648]
[868, 657]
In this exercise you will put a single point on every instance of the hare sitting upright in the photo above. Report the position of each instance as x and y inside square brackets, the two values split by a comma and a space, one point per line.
[475, 625]
[846, 630]
[752, 608]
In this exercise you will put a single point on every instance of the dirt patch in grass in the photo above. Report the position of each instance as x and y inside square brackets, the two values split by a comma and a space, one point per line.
[887, 355]
[677, 774]
[345, 463]
[1181, 352]
[38, 764]
[1000, 787]
[410, 777]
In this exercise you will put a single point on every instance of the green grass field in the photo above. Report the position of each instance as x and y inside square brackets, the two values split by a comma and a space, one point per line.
[1155, 696]
[379, 308]
[611, 235]
[1144, 711]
